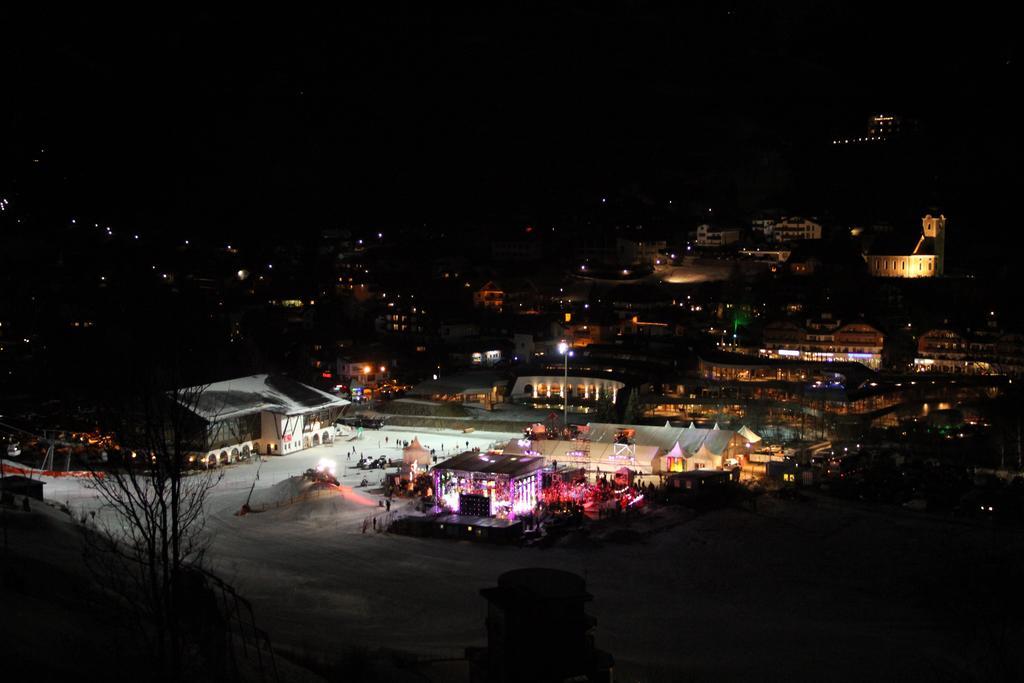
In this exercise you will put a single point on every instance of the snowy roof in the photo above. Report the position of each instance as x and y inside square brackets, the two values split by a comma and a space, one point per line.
[689, 439]
[646, 435]
[259, 393]
[461, 383]
[673, 441]
[512, 465]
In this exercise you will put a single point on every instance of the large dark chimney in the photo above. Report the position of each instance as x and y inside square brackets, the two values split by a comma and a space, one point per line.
[538, 631]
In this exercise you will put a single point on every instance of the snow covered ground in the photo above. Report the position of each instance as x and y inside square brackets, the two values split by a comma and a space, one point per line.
[238, 479]
[727, 596]
[822, 590]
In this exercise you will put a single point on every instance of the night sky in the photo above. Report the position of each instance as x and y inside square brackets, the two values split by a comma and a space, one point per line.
[239, 124]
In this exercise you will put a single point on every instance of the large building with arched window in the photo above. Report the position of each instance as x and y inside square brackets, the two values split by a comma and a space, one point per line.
[577, 387]
[268, 414]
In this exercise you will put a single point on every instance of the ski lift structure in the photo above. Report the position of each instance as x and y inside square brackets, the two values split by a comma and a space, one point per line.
[51, 438]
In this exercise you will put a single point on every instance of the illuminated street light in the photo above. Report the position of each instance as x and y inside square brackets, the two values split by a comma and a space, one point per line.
[563, 348]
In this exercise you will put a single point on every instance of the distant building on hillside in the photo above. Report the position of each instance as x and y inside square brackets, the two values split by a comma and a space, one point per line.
[712, 236]
[795, 228]
[401, 318]
[363, 373]
[762, 223]
[451, 331]
[632, 252]
[925, 259]
[490, 296]
[880, 128]
[884, 126]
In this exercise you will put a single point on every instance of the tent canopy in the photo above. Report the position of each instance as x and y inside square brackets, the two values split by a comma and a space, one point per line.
[748, 434]
[416, 453]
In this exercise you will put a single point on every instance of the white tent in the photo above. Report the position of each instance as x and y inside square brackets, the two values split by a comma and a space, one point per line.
[415, 453]
[704, 459]
[748, 434]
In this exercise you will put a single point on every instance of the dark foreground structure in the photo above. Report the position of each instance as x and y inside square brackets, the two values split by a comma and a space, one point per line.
[16, 485]
[463, 527]
[537, 631]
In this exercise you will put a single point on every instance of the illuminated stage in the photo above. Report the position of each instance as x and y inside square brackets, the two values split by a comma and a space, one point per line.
[487, 485]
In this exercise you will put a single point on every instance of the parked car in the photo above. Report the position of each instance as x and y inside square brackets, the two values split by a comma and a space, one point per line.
[360, 422]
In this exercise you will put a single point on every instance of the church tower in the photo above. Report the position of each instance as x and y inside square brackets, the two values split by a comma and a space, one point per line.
[935, 227]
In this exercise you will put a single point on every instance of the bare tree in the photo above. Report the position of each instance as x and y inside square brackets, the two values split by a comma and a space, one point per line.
[151, 531]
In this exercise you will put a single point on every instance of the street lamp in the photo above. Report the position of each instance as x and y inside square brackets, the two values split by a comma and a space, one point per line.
[563, 349]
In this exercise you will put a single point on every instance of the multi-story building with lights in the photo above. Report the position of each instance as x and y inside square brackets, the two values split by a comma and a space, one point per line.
[795, 228]
[880, 128]
[884, 126]
[490, 296]
[948, 351]
[824, 339]
[711, 236]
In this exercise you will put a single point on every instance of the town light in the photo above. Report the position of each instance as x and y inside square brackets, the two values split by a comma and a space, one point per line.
[366, 370]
